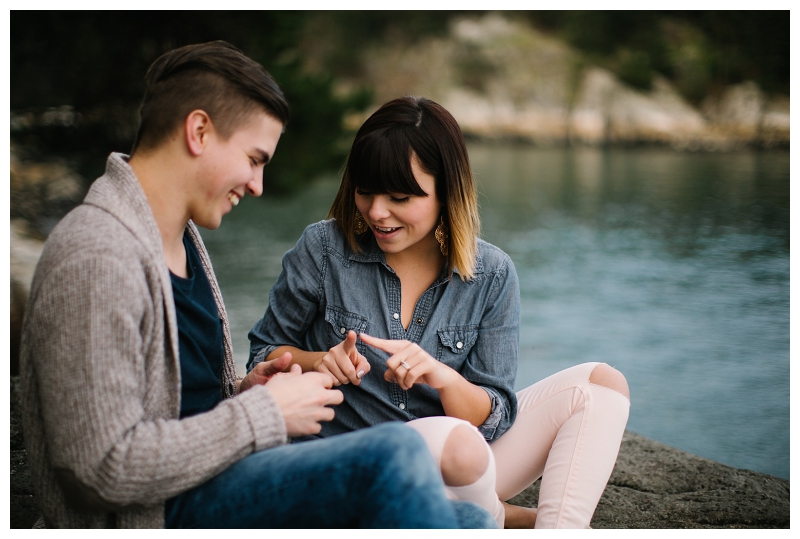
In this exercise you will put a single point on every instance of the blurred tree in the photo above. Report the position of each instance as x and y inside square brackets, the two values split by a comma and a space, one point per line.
[700, 51]
[77, 80]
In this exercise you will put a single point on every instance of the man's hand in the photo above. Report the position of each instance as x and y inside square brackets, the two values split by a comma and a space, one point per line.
[304, 399]
[264, 371]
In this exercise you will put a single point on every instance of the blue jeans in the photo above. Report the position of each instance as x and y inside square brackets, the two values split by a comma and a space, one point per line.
[381, 477]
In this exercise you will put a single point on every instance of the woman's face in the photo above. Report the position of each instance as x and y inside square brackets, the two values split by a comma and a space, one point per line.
[399, 221]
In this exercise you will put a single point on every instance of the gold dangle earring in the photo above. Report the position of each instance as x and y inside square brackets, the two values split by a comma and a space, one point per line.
[441, 235]
[359, 225]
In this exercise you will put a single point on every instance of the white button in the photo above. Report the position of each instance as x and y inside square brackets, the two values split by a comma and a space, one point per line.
[459, 345]
[342, 331]
[402, 406]
[395, 316]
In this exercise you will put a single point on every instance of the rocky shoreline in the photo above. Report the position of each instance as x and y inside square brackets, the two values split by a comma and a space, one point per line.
[652, 486]
[504, 80]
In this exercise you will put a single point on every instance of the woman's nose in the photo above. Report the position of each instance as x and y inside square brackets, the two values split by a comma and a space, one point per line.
[378, 209]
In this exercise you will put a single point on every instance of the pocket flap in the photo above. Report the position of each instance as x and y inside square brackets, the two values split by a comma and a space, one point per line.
[458, 339]
[342, 321]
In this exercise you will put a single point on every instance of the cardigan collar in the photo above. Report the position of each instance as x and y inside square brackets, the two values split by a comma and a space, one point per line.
[119, 193]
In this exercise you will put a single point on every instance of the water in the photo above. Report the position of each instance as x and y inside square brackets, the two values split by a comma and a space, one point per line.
[672, 267]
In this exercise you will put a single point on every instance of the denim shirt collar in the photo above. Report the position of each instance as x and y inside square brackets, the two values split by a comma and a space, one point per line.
[372, 253]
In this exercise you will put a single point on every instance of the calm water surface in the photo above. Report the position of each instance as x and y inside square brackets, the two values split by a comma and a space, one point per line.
[672, 267]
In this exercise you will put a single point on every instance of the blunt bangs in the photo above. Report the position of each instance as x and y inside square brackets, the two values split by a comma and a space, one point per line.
[381, 163]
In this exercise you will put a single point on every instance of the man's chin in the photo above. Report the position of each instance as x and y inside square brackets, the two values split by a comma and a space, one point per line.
[209, 224]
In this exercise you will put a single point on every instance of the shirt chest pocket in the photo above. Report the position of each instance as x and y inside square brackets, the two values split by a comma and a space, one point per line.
[340, 322]
[455, 342]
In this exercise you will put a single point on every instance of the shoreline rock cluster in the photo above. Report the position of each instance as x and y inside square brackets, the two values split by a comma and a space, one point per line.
[503, 80]
[652, 486]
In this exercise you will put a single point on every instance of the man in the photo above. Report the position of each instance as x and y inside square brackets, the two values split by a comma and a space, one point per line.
[132, 412]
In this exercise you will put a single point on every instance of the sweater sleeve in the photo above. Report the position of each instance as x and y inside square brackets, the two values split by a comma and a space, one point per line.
[92, 325]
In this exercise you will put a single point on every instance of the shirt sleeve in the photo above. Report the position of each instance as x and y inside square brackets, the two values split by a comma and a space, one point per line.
[492, 362]
[294, 298]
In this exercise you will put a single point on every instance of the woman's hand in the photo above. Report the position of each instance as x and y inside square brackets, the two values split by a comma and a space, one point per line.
[344, 363]
[409, 364]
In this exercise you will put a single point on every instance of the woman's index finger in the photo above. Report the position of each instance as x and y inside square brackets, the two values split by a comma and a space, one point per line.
[381, 344]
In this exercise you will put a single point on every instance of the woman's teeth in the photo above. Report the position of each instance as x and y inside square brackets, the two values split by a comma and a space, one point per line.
[385, 230]
[234, 198]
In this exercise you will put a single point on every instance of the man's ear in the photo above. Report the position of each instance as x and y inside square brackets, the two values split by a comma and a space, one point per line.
[197, 128]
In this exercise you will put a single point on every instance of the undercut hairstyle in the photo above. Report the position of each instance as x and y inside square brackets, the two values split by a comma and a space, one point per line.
[215, 77]
[380, 162]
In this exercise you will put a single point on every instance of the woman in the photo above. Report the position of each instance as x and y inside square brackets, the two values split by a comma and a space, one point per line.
[400, 266]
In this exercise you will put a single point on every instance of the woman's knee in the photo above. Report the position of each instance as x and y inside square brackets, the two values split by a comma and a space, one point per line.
[465, 456]
[607, 376]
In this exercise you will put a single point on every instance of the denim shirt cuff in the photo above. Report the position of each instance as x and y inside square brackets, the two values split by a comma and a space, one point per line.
[490, 426]
[260, 356]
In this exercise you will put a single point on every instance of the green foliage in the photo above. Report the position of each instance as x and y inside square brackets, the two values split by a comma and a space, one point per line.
[700, 51]
[314, 141]
[339, 37]
[633, 67]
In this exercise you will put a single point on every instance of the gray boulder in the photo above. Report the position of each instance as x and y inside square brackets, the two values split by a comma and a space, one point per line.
[657, 486]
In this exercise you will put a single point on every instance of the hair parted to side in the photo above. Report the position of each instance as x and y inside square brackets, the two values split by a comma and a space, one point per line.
[380, 162]
[215, 77]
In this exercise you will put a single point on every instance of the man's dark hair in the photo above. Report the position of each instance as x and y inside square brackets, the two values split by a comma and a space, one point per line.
[215, 77]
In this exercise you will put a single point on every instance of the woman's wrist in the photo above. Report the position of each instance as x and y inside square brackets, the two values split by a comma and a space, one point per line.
[449, 377]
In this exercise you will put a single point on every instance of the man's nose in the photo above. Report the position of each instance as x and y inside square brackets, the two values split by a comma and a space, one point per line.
[256, 186]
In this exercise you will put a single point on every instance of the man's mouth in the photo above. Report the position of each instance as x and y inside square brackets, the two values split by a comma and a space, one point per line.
[234, 198]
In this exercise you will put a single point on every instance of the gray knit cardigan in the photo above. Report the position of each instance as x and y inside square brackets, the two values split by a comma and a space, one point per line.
[101, 375]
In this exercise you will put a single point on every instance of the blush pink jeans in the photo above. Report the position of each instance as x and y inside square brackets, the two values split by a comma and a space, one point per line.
[568, 432]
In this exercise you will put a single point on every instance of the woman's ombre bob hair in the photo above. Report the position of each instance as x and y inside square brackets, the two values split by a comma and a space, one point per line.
[380, 162]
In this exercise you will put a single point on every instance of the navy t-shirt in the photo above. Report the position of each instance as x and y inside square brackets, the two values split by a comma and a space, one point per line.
[199, 336]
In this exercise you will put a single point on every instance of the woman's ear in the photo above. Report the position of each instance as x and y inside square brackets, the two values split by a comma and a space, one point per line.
[197, 129]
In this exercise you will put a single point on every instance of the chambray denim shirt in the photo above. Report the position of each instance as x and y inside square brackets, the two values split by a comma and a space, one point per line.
[325, 290]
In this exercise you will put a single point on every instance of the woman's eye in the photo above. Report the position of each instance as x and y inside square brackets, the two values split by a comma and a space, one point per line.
[362, 192]
[400, 199]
